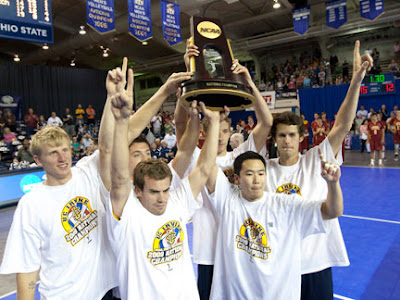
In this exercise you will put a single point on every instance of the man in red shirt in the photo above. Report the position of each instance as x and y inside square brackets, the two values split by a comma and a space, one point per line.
[326, 122]
[314, 123]
[31, 120]
[395, 128]
[376, 138]
[319, 132]
[304, 145]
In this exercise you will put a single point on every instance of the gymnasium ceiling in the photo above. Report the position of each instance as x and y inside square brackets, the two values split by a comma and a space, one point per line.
[254, 27]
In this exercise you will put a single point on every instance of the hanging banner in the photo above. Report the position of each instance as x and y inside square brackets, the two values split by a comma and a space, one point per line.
[336, 13]
[140, 19]
[301, 19]
[371, 9]
[171, 22]
[26, 20]
[100, 15]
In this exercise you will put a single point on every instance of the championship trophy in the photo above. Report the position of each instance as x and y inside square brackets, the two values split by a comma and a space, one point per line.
[213, 81]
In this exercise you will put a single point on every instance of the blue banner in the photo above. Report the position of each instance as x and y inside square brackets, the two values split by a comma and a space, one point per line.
[171, 22]
[26, 20]
[336, 13]
[371, 9]
[301, 19]
[100, 15]
[140, 19]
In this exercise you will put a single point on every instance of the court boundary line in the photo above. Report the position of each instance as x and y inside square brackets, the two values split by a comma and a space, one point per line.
[371, 219]
[342, 297]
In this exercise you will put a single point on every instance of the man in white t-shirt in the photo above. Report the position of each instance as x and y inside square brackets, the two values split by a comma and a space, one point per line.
[293, 173]
[258, 253]
[54, 120]
[156, 123]
[147, 227]
[363, 112]
[236, 140]
[170, 139]
[204, 220]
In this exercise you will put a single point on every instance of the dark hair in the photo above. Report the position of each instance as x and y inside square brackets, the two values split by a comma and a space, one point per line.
[287, 118]
[152, 168]
[237, 165]
[139, 140]
[95, 141]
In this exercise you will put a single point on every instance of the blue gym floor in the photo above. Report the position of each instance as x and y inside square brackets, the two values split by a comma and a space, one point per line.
[371, 230]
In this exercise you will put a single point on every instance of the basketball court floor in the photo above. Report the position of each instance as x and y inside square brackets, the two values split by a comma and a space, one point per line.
[370, 226]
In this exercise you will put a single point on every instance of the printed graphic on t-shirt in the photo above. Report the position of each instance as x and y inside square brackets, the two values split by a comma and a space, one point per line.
[288, 189]
[78, 219]
[253, 239]
[168, 244]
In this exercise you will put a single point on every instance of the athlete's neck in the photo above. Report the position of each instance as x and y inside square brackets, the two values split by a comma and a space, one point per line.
[289, 161]
[223, 153]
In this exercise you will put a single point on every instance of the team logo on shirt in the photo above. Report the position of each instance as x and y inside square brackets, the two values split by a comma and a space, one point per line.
[167, 245]
[288, 188]
[78, 219]
[253, 239]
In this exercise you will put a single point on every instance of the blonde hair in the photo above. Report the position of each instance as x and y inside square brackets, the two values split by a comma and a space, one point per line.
[50, 135]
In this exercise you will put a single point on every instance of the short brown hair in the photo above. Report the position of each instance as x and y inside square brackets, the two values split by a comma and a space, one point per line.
[206, 122]
[50, 135]
[287, 118]
[140, 140]
[152, 168]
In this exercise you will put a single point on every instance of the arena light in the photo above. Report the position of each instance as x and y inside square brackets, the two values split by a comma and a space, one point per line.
[105, 53]
[16, 58]
[82, 30]
[276, 4]
[144, 43]
[45, 46]
[72, 64]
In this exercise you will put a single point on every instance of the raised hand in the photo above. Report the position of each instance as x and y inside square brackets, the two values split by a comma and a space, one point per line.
[224, 114]
[116, 79]
[209, 114]
[191, 50]
[237, 68]
[121, 102]
[361, 64]
[330, 171]
[173, 82]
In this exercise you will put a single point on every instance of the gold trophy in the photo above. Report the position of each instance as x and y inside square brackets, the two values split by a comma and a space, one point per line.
[213, 81]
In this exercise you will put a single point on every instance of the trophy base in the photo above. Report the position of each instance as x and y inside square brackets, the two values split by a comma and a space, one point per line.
[217, 94]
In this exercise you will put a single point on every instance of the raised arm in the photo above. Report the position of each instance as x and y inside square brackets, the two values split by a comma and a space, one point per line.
[333, 206]
[198, 177]
[188, 142]
[264, 116]
[121, 107]
[348, 109]
[115, 83]
[143, 116]
[26, 285]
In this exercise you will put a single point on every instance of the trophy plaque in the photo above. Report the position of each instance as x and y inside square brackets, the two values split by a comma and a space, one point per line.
[213, 81]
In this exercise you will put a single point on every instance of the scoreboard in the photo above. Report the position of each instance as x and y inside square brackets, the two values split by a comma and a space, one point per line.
[382, 84]
[28, 20]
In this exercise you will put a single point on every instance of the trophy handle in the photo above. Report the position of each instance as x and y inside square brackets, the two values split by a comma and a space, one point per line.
[192, 64]
[228, 41]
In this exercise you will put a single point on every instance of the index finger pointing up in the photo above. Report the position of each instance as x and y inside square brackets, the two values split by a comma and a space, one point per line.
[124, 65]
[321, 156]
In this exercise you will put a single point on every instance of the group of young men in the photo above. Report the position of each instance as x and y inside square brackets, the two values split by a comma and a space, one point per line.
[118, 218]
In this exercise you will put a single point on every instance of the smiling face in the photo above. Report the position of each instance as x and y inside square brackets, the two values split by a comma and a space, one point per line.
[252, 179]
[154, 195]
[56, 162]
[288, 140]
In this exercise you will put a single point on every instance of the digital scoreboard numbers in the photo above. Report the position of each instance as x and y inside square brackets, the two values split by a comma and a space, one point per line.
[382, 84]
[28, 20]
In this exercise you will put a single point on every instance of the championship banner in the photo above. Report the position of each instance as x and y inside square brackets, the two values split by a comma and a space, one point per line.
[171, 22]
[140, 19]
[100, 15]
[336, 13]
[301, 19]
[371, 9]
[26, 20]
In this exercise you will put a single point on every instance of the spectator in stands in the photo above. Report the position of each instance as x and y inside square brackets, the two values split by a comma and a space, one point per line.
[90, 115]
[76, 147]
[85, 141]
[262, 86]
[325, 121]
[345, 69]
[384, 111]
[364, 134]
[10, 119]
[305, 144]
[15, 165]
[156, 124]
[395, 108]
[292, 84]
[235, 140]
[339, 80]
[319, 132]
[396, 50]
[42, 122]
[357, 123]
[154, 151]
[68, 121]
[169, 124]
[170, 139]
[321, 75]
[371, 111]
[79, 114]
[363, 112]
[95, 132]
[368, 51]
[328, 72]
[166, 154]
[376, 68]
[54, 120]
[79, 129]
[31, 120]
[250, 125]
[8, 136]
[24, 154]
[394, 68]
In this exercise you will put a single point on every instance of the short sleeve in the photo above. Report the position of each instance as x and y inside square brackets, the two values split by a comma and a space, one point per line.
[23, 248]
[183, 198]
[248, 145]
[224, 191]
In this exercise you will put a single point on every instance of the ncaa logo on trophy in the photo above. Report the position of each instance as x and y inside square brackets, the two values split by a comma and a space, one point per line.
[213, 81]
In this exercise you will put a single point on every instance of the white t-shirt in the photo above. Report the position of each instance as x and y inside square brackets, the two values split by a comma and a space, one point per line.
[170, 140]
[304, 178]
[153, 258]
[56, 121]
[156, 121]
[62, 230]
[204, 220]
[258, 253]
